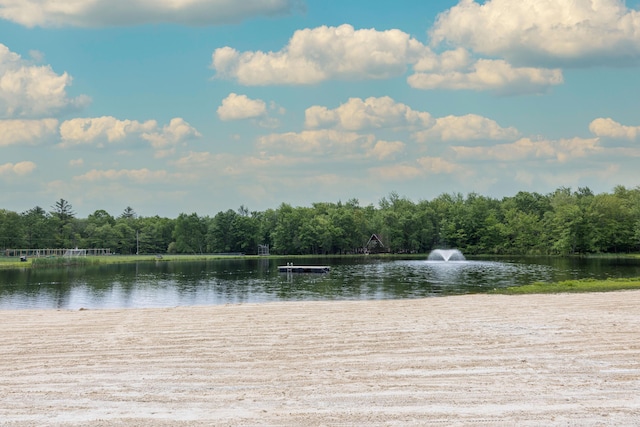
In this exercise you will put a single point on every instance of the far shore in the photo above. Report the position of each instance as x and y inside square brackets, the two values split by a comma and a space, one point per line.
[16, 262]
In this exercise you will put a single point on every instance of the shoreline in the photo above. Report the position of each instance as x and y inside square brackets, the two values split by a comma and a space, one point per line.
[553, 359]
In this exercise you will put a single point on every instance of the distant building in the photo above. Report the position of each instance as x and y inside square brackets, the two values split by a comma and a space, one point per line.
[375, 245]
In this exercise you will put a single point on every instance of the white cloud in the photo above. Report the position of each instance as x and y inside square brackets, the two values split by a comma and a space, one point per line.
[488, 74]
[385, 149]
[611, 129]
[101, 130]
[465, 128]
[140, 176]
[437, 165]
[449, 60]
[196, 160]
[317, 142]
[398, 172]
[20, 168]
[98, 130]
[322, 53]
[101, 13]
[562, 150]
[177, 131]
[380, 113]
[238, 107]
[524, 177]
[29, 132]
[423, 166]
[224, 164]
[534, 32]
[371, 113]
[28, 90]
[76, 162]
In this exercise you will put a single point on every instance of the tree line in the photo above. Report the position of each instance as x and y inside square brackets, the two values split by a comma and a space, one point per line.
[562, 222]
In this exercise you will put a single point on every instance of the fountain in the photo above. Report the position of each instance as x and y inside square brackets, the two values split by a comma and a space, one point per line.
[446, 255]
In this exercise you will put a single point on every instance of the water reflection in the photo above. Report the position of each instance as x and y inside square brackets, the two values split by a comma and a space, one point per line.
[162, 284]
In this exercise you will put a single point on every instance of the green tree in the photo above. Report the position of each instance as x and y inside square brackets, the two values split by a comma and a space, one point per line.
[11, 230]
[448, 228]
[245, 230]
[128, 213]
[286, 234]
[566, 222]
[155, 234]
[344, 218]
[521, 233]
[401, 223]
[189, 234]
[266, 221]
[221, 232]
[63, 215]
[100, 218]
[480, 218]
[124, 237]
[613, 229]
[39, 229]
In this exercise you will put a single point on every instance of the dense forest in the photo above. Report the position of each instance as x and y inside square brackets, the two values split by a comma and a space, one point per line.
[563, 222]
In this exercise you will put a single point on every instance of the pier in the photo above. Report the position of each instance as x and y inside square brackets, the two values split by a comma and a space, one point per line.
[290, 268]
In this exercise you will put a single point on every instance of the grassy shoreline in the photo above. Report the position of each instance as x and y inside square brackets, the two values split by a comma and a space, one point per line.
[44, 262]
[572, 286]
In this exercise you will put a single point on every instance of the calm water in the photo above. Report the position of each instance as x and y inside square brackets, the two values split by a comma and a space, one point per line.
[165, 284]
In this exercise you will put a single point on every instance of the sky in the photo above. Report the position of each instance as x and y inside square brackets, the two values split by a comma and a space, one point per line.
[200, 106]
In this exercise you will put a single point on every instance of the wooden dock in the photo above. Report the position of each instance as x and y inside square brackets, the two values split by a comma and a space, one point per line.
[291, 268]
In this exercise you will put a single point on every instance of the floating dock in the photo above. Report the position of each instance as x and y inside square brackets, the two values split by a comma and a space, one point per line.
[290, 268]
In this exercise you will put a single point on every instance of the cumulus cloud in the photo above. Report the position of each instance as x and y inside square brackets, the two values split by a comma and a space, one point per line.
[534, 32]
[437, 165]
[316, 142]
[488, 74]
[142, 176]
[611, 129]
[29, 132]
[344, 53]
[318, 54]
[465, 128]
[327, 144]
[385, 149]
[423, 166]
[19, 169]
[29, 91]
[379, 113]
[98, 130]
[238, 107]
[227, 164]
[197, 160]
[371, 113]
[102, 130]
[101, 13]
[177, 131]
[398, 172]
[561, 150]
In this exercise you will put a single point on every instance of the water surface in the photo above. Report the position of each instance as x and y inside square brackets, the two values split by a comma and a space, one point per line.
[255, 280]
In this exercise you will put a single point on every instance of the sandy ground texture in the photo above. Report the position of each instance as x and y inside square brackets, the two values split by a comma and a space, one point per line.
[468, 360]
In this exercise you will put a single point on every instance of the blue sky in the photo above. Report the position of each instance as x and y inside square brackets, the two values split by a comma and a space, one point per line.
[200, 106]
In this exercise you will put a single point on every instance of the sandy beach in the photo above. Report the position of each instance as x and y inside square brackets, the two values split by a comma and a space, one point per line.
[567, 359]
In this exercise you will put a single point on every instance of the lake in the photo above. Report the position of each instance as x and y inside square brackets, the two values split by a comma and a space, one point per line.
[257, 280]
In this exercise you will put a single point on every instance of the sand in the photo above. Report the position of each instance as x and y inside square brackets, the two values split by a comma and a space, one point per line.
[468, 360]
